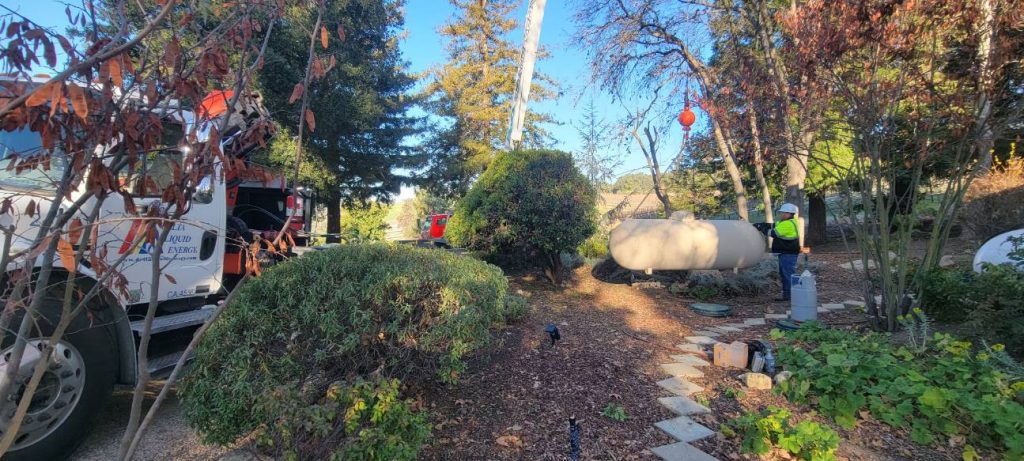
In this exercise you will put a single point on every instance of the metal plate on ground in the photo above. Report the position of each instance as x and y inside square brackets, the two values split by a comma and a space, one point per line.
[711, 310]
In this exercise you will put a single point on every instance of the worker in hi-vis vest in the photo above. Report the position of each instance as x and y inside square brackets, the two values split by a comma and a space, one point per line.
[785, 234]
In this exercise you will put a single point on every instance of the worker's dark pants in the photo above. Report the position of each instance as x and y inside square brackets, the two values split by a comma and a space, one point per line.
[787, 265]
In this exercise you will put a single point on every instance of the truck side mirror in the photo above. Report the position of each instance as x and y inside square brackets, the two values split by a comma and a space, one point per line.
[204, 191]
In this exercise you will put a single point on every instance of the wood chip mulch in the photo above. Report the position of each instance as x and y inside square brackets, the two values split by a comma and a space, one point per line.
[515, 399]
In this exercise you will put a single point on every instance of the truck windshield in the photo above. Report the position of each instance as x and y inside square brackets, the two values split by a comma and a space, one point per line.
[26, 143]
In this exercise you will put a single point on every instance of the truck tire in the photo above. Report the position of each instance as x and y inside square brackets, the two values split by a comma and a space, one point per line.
[76, 386]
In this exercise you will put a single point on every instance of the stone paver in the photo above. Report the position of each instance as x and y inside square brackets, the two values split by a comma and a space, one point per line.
[681, 451]
[822, 310]
[708, 333]
[725, 329]
[852, 304]
[682, 370]
[737, 325]
[684, 429]
[679, 386]
[683, 405]
[775, 316]
[701, 339]
[833, 306]
[690, 360]
[691, 348]
[755, 321]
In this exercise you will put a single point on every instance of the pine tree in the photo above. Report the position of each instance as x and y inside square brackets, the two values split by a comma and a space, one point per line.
[472, 92]
[593, 160]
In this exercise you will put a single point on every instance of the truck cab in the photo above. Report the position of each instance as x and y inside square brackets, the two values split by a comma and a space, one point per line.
[204, 256]
[433, 228]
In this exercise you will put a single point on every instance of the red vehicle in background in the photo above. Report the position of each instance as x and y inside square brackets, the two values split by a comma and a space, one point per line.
[432, 231]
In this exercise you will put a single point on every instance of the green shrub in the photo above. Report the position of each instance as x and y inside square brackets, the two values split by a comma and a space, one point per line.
[363, 421]
[336, 315]
[770, 427]
[533, 204]
[595, 246]
[943, 392]
[992, 302]
[364, 224]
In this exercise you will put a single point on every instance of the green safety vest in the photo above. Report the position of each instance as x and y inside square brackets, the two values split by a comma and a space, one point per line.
[786, 229]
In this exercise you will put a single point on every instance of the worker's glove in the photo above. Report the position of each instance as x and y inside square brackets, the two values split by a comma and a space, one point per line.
[763, 227]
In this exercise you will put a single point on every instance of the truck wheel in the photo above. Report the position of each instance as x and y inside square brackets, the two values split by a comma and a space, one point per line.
[80, 377]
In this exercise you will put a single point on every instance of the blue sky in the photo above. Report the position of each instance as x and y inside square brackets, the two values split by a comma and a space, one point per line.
[424, 48]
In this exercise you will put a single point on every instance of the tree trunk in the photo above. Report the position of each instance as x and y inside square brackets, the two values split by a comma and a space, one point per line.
[333, 204]
[796, 175]
[734, 172]
[984, 142]
[553, 268]
[817, 227]
[755, 134]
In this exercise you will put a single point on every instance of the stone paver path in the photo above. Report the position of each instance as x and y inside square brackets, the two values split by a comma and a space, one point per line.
[683, 428]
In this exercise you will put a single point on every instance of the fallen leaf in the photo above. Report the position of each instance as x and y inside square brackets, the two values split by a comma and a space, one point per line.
[510, 441]
[170, 279]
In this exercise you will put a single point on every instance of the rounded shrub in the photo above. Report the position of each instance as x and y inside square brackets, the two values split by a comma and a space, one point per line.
[531, 204]
[331, 318]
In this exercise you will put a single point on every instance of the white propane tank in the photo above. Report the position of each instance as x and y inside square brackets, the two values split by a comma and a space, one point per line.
[684, 243]
[804, 295]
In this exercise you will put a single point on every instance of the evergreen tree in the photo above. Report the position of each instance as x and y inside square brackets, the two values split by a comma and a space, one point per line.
[472, 93]
[597, 164]
[361, 106]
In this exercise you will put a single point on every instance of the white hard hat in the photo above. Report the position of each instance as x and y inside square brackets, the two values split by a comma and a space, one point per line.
[788, 208]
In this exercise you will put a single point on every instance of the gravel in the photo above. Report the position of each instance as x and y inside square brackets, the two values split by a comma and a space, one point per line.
[169, 437]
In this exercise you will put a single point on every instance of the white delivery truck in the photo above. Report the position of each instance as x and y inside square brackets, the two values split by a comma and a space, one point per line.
[202, 257]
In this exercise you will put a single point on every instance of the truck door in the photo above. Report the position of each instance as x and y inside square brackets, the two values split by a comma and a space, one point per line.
[192, 255]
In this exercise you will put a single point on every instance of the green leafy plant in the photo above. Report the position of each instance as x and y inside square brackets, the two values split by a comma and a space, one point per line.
[595, 246]
[991, 302]
[365, 420]
[333, 316]
[771, 427]
[917, 325]
[613, 411]
[703, 292]
[530, 206]
[732, 393]
[942, 392]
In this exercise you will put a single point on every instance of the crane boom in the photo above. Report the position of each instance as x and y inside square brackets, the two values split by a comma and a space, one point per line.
[531, 40]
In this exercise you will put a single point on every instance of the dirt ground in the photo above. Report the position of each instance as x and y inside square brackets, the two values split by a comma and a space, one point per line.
[614, 337]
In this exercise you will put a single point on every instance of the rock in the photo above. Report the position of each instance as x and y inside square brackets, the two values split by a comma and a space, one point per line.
[946, 261]
[756, 381]
[783, 376]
